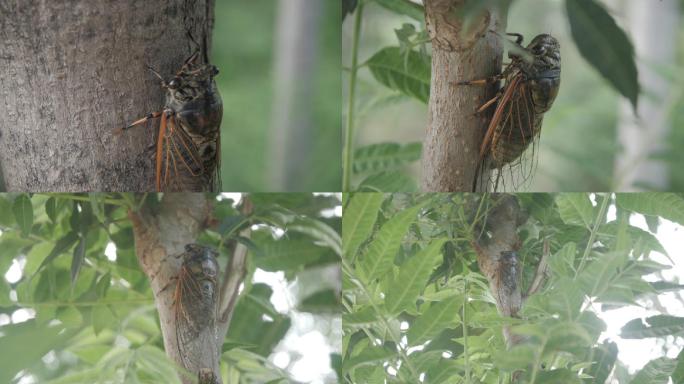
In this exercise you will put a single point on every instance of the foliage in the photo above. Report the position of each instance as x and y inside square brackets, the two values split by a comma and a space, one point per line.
[404, 68]
[91, 310]
[418, 309]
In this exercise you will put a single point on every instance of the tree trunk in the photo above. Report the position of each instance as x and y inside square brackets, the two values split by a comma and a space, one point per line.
[454, 131]
[644, 136]
[72, 72]
[161, 236]
[292, 122]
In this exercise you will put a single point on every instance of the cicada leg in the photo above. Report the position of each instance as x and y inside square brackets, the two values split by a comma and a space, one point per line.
[518, 37]
[483, 82]
[142, 120]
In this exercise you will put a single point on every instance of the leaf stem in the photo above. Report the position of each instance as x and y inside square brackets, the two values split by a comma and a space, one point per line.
[465, 332]
[348, 152]
[592, 236]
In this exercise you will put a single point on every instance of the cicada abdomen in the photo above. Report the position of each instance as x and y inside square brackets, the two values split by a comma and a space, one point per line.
[195, 299]
[187, 146]
[532, 80]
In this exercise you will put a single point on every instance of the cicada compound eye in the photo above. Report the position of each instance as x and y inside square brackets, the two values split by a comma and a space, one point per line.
[174, 83]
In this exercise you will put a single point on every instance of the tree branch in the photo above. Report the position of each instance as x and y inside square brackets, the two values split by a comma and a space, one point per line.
[232, 277]
[542, 271]
[454, 132]
[161, 235]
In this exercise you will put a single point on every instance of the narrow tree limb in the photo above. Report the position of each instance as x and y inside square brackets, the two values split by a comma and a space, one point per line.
[233, 276]
[454, 132]
[542, 271]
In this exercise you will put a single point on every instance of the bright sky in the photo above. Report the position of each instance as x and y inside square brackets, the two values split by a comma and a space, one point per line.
[635, 353]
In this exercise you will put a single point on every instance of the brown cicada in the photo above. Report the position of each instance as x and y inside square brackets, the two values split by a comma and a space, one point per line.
[187, 149]
[195, 297]
[531, 84]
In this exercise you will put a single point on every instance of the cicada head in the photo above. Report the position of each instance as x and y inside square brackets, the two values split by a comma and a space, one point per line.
[546, 52]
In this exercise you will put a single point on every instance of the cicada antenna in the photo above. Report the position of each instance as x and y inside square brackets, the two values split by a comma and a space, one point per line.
[158, 75]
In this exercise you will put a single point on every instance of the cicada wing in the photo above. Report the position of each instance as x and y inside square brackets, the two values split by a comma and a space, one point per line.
[188, 293]
[179, 166]
[501, 114]
[514, 127]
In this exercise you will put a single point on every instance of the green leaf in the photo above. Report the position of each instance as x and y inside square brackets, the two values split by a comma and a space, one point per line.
[322, 233]
[326, 301]
[637, 236]
[599, 274]
[288, 254]
[23, 213]
[412, 278]
[379, 258]
[4, 293]
[562, 263]
[6, 216]
[406, 72]
[604, 45]
[678, 373]
[394, 181]
[669, 206]
[384, 156]
[519, 357]
[51, 209]
[97, 205]
[575, 209]
[70, 316]
[604, 357]
[360, 318]
[404, 7]
[656, 326]
[558, 376]
[62, 245]
[368, 356]
[28, 343]
[656, 371]
[77, 259]
[440, 315]
[101, 317]
[358, 220]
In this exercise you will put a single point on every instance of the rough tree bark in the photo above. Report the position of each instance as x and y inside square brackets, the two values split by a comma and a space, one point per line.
[71, 72]
[161, 234]
[454, 132]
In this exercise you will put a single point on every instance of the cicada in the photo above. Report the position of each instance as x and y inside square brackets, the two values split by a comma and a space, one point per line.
[532, 80]
[195, 297]
[187, 149]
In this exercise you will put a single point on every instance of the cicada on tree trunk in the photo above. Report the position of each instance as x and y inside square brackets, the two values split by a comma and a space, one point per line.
[195, 299]
[187, 146]
[532, 80]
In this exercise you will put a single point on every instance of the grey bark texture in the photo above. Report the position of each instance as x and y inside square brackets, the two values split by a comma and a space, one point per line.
[454, 132]
[292, 127]
[161, 234]
[71, 72]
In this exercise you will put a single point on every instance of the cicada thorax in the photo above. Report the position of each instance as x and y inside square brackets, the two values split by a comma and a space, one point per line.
[187, 145]
[196, 104]
[532, 80]
[195, 300]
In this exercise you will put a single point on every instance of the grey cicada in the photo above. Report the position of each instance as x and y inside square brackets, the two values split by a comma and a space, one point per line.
[187, 150]
[532, 80]
[195, 296]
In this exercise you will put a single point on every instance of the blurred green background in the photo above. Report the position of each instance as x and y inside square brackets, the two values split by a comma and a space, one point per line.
[579, 145]
[243, 47]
